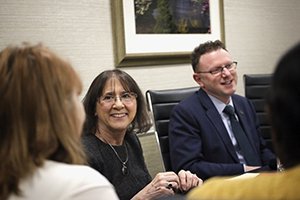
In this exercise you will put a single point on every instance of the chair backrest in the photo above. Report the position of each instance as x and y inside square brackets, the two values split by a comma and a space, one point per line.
[256, 88]
[161, 103]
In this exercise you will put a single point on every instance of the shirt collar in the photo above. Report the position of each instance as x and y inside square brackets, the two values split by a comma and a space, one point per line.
[219, 104]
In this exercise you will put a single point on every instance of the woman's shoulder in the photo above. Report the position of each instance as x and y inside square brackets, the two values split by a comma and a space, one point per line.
[87, 137]
[133, 139]
[90, 141]
[65, 171]
[66, 181]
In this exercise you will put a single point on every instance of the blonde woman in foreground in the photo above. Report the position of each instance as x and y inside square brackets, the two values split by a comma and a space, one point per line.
[41, 121]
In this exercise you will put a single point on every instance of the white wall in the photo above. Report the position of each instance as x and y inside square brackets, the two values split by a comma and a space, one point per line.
[256, 33]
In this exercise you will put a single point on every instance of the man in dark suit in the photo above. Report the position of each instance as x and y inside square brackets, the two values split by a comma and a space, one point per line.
[201, 134]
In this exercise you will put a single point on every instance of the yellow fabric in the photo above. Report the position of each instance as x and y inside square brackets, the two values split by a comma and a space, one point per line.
[266, 186]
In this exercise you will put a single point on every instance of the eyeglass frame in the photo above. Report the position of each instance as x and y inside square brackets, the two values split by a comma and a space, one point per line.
[218, 70]
[113, 98]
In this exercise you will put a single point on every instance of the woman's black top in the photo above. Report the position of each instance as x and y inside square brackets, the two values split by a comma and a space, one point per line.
[102, 158]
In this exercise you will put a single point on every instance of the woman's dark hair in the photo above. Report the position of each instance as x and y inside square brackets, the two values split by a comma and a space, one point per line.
[141, 122]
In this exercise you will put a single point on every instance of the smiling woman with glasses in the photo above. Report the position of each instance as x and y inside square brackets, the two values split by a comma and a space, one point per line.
[115, 112]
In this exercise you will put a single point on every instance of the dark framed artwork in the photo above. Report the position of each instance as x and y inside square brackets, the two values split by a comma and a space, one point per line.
[157, 32]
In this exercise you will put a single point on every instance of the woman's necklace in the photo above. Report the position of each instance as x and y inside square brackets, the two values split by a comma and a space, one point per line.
[124, 167]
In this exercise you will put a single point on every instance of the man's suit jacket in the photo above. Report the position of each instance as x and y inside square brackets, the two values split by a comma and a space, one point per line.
[199, 141]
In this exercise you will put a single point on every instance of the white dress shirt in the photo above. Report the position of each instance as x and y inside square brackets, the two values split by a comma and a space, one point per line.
[225, 118]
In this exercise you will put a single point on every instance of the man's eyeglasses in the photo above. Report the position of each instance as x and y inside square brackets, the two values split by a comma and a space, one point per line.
[218, 70]
[125, 98]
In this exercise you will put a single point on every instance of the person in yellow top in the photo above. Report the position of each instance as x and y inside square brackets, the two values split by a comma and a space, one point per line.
[283, 105]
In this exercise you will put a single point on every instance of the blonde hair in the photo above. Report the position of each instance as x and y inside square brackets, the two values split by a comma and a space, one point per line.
[38, 121]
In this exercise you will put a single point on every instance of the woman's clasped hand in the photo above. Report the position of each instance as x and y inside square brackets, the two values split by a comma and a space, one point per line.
[169, 183]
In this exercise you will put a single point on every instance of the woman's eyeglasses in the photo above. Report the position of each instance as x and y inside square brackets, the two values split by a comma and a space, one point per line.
[125, 98]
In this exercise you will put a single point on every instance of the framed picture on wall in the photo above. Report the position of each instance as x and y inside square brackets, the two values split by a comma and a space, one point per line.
[157, 32]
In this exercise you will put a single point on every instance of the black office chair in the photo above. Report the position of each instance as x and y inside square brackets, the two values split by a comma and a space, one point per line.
[256, 88]
[161, 103]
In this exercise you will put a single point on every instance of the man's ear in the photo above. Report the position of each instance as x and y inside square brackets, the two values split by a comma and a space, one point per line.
[198, 80]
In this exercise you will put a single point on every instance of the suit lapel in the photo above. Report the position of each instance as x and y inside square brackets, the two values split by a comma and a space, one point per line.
[217, 122]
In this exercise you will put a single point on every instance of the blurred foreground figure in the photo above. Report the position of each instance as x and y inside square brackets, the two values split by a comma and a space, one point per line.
[41, 121]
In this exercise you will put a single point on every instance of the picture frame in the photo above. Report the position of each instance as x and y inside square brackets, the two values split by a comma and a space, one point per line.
[132, 49]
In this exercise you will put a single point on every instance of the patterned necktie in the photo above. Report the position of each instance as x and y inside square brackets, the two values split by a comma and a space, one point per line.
[241, 138]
